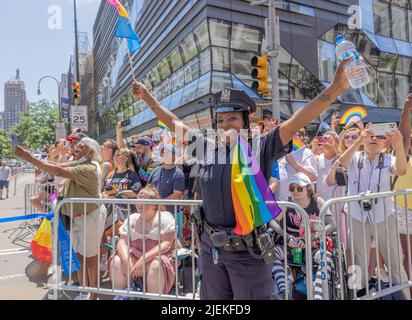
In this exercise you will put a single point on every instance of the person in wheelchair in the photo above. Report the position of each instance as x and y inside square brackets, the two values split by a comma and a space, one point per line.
[303, 194]
[146, 235]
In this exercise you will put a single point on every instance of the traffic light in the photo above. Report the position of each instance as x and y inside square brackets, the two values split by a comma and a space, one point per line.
[76, 92]
[260, 74]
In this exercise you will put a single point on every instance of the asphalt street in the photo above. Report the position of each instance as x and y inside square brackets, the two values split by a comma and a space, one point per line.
[21, 276]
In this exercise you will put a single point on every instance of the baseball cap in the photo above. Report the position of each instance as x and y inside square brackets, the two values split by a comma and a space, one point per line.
[144, 141]
[300, 179]
[77, 136]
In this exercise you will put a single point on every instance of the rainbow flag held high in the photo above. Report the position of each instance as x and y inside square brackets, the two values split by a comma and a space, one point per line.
[353, 114]
[162, 125]
[124, 28]
[297, 144]
[253, 201]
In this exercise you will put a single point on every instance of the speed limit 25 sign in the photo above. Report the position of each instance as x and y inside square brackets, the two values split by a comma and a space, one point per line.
[79, 117]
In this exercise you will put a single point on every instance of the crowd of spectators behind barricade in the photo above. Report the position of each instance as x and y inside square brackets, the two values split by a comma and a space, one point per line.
[325, 168]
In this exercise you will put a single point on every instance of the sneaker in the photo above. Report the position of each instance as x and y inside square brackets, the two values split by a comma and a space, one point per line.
[82, 296]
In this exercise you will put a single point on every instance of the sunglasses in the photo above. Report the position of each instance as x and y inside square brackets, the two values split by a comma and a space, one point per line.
[351, 136]
[379, 137]
[295, 189]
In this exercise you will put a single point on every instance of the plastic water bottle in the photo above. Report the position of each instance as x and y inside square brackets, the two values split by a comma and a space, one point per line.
[356, 71]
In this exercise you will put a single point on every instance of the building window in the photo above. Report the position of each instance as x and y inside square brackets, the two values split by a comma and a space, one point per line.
[189, 48]
[387, 62]
[402, 90]
[410, 24]
[202, 36]
[175, 59]
[219, 33]
[326, 60]
[381, 14]
[203, 86]
[164, 69]
[178, 80]
[386, 90]
[241, 66]
[205, 62]
[399, 23]
[220, 80]
[245, 38]
[189, 92]
[191, 70]
[404, 65]
[166, 88]
[220, 59]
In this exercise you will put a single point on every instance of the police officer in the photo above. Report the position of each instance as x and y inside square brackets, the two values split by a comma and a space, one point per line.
[229, 270]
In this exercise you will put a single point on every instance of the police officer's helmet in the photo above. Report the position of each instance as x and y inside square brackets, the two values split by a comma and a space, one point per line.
[234, 100]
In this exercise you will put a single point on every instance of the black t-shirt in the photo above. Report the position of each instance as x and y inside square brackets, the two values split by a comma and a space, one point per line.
[215, 178]
[127, 180]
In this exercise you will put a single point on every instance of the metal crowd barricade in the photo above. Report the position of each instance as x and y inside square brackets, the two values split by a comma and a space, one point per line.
[59, 286]
[176, 293]
[308, 266]
[29, 227]
[349, 272]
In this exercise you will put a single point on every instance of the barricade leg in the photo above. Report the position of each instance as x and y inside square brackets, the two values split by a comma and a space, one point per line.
[397, 277]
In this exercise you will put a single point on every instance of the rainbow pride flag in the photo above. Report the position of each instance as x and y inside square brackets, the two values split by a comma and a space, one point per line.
[353, 114]
[252, 198]
[162, 125]
[41, 244]
[297, 144]
[124, 28]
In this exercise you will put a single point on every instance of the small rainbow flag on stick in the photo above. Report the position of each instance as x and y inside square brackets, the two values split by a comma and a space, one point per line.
[162, 125]
[124, 28]
[353, 114]
[297, 144]
[252, 198]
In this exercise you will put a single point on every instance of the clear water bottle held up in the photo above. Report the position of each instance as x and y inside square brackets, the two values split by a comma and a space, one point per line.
[356, 71]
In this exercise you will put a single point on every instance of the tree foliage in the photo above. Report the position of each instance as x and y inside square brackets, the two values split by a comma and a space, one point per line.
[37, 124]
[5, 145]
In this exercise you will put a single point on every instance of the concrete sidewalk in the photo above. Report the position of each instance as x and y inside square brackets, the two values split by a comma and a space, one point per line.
[21, 276]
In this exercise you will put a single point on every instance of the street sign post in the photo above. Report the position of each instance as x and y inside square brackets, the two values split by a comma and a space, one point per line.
[60, 131]
[79, 118]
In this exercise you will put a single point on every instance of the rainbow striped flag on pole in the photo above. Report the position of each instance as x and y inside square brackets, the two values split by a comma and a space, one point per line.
[124, 28]
[253, 201]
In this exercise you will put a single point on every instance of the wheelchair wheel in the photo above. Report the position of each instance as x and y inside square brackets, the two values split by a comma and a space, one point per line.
[337, 293]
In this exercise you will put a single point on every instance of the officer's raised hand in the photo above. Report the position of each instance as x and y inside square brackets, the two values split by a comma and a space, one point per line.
[315, 107]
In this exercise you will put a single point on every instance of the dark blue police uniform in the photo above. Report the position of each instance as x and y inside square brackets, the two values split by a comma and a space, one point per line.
[227, 273]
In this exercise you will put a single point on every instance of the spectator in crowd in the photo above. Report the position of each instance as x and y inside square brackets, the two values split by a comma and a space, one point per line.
[82, 181]
[108, 149]
[316, 146]
[324, 163]
[302, 194]
[122, 182]
[142, 159]
[370, 171]
[146, 237]
[5, 175]
[404, 183]
[168, 178]
[49, 183]
[301, 160]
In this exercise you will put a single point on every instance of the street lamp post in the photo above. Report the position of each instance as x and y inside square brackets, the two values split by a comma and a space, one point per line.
[58, 86]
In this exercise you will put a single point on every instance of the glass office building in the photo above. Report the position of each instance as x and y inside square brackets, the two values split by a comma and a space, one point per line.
[194, 48]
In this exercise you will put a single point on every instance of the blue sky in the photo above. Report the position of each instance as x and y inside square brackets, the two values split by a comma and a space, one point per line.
[28, 43]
